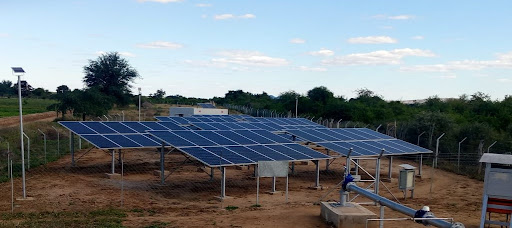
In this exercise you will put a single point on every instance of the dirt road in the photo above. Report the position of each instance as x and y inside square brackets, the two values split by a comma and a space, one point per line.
[37, 117]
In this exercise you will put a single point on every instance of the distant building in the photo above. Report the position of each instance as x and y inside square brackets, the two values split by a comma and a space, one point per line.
[190, 111]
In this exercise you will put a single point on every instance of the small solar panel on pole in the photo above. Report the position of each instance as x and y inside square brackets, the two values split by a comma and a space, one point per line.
[18, 71]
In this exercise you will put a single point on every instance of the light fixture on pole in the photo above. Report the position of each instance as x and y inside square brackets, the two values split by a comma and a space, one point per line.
[18, 71]
[139, 103]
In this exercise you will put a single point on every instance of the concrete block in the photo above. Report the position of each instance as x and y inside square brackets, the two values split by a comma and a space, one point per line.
[350, 216]
[115, 176]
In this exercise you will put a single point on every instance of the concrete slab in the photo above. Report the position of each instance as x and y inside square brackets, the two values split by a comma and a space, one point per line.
[350, 216]
[116, 176]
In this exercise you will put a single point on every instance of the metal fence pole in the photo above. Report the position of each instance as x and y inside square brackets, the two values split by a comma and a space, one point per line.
[437, 150]
[44, 138]
[458, 155]
[58, 141]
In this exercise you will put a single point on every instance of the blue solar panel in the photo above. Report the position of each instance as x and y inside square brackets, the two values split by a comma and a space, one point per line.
[307, 151]
[271, 136]
[361, 147]
[221, 140]
[163, 118]
[270, 153]
[119, 127]
[254, 137]
[195, 138]
[248, 153]
[229, 155]
[219, 126]
[144, 140]
[122, 141]
[288, 152]
[170, 125]
[205, 156]
[99, 127]
[306, 136]
[180, 120]
[77, 127]
[100, 141]
[137, 126]
[154, 126]
[204, 126]
[172, 139]
[338, 135]
[236, 137]
[324, 136]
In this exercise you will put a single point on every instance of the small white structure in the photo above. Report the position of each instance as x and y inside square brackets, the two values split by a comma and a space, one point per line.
[406, 179]
[189, 111]
[497, 188]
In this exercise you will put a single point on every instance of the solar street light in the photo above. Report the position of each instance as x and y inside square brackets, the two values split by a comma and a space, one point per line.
[18, 71]
[139, 103]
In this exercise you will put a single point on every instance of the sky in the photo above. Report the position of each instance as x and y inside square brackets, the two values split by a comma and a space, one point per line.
[401, 50]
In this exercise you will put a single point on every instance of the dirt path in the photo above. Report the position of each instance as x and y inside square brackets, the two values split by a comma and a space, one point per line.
[36, 117]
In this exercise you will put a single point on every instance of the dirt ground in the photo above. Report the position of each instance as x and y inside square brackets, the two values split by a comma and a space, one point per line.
[30, 118]
[188, 198]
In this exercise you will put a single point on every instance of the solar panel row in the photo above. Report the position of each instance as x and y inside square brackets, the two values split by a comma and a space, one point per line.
[220, 148]
[113, 127]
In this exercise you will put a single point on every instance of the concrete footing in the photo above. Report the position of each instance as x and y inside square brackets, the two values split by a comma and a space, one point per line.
[352, 215]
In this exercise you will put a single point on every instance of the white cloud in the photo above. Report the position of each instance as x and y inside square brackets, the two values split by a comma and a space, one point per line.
[314, 69]
[248, 58]
[381, 57]
[501, 61]
[394, 17]
[160, 1]
[417, 37]
[322, 52]
[372, 40]
[506, 80]
[203, 5]
[297, 41]
[122, 53]
[231, 16]
[160, 45]
[449, 76]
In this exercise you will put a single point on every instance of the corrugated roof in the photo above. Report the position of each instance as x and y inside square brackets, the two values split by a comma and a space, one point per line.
[505, 159]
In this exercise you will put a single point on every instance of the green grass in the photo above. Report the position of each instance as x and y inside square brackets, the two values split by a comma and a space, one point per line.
[10, 106]
[98, 218]
[231, 208]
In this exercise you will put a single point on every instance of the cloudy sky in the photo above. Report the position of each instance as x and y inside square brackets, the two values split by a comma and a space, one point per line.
[399, 49]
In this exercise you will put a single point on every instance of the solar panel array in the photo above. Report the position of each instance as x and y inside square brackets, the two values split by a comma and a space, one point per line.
[206, 105]
[235, 122]
[118, 135]
[363, 141]
[237, 147]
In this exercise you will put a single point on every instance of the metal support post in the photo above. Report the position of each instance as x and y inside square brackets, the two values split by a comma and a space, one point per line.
[338, 123]
[79, 143]
[58, 141]
[421, 165]
[381, 222]
[162, 164]
[113, 161]
[356, 167]
[273, 184]
[223, 182]
[437, 150]
[327, 161]
[211, 173]
[317, 176]
[72, 148]
[377, 129]
[347, 163]
[119, 159]
[390, 168]
[293, 167]
[377, 173]
[44, 139]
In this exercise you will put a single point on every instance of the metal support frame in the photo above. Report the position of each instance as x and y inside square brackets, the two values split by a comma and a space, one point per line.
[421, 165]
[390, 168]
[356, 161]
[44, 138]
[381, 216]
[273, 185]
[377, 172]
[79, 143]
[327, 161]
[113, 169]
[317, 174]
[211, 173]
[223, 182]
[58, 141]
[437, 151]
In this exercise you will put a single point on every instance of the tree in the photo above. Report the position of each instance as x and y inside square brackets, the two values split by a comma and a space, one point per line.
[6, 88]
[111, 75]
[320, 94]
[159, 94]
[62, 89]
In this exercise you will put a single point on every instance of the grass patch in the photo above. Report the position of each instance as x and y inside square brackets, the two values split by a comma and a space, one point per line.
[231, 208]
[10, 106]
[256, 205]
[99, 218]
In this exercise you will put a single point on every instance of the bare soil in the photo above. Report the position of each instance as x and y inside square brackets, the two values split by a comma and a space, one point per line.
[12, 121]
[188, 198]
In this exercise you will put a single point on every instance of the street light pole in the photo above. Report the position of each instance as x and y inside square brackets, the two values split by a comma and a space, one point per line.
[139, 103]
[19, 71]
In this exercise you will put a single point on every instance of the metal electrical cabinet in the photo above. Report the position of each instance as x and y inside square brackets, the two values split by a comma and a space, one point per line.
[406, 179]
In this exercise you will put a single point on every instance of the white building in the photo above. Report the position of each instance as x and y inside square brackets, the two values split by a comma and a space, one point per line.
[189, 111]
